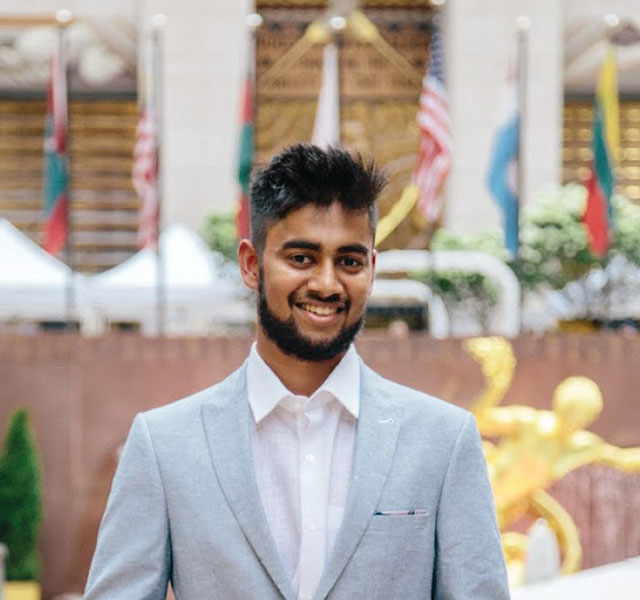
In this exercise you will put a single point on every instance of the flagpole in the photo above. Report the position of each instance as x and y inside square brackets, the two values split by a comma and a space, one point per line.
[157, 27]
[523, 23]
[337, 24]
[63, 18]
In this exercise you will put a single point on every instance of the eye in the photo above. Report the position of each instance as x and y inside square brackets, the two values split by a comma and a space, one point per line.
[300, 259]
[351, 263]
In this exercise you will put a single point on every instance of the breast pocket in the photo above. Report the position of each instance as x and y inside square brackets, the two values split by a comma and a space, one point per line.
[394, 558]
[399, 524]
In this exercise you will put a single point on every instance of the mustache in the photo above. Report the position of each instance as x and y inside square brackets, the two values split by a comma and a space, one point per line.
[332, 299]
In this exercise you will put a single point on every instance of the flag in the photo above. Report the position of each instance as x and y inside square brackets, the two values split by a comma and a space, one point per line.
[598, 214]
[56, 164]
[502, 178]
[326, 128]
[245, 158]
[434, 121]
[144, 173]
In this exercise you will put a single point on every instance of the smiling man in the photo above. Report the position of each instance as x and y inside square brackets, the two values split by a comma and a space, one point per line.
[304, 474]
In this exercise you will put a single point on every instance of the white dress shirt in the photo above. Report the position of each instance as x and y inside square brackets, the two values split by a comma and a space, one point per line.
[302, 455]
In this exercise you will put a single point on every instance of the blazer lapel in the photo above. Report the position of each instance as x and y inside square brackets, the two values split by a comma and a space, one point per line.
[378, 426]
[227, 426]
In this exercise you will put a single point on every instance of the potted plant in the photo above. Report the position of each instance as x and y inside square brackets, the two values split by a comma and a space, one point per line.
[20, 508]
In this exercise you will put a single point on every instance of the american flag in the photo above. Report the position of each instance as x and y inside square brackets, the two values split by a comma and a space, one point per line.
[145, 157]
[434, 157]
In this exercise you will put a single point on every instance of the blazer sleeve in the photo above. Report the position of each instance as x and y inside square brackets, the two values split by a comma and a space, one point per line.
[469, 564]
[133, 554]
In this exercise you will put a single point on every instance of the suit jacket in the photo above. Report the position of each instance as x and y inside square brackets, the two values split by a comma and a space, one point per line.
[184, 506]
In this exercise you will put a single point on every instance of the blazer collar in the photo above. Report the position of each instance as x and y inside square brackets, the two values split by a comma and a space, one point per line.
[226, 423]
[378, 427]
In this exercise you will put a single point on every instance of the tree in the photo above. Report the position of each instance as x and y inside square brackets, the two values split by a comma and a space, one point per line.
[20, 499]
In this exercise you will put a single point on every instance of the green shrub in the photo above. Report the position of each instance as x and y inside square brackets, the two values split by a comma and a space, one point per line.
[554, 245]
[219, 232]
[20, 499]
[465, 290]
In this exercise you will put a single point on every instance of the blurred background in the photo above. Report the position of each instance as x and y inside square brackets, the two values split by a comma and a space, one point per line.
[510, 131]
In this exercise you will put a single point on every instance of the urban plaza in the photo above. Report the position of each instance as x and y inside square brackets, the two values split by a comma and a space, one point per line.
[319, 300]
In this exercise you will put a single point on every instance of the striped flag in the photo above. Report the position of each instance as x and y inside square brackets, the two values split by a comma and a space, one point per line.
[502, 178]
[326, 128]
[605, 141]
[145, 154]
[434, 157]
[56, 170]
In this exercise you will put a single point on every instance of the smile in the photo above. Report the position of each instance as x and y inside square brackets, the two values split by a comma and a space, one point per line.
[323, 311]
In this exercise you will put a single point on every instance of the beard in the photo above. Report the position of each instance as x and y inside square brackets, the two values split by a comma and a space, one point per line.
[291, 341]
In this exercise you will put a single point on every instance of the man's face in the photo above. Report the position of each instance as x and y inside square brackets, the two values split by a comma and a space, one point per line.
[315, 275]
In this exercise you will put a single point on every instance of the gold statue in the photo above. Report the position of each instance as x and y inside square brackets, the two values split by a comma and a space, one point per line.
[535, 448]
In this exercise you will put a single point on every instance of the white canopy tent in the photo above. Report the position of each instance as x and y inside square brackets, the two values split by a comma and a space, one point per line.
[33, 283]
[200, 291]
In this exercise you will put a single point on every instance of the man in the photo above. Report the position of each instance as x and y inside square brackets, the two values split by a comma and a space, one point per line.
[303, 474]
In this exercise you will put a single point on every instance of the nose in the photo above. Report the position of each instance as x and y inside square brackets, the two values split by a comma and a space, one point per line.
[324, 281]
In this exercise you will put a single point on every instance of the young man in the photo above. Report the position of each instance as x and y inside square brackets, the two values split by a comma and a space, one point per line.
[303, 474]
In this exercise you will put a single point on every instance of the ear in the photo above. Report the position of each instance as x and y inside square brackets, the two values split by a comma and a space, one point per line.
[373, 269]
[248, 262]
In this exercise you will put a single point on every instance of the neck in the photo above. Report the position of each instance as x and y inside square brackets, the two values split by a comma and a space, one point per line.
[300, 377]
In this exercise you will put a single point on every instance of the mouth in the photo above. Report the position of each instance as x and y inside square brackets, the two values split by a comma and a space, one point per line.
[320, 314]
[323, 311]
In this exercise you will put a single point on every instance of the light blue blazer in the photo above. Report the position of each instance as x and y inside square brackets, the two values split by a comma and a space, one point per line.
[185, 507]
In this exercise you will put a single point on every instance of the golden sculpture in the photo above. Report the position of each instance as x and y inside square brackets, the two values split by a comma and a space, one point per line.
[534, 448]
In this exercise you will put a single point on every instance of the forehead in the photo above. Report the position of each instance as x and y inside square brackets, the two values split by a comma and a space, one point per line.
[331, 225]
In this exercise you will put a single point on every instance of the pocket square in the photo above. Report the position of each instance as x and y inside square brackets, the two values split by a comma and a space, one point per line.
[401, 512]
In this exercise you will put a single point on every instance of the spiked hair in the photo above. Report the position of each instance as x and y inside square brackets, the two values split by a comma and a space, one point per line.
[305, 174]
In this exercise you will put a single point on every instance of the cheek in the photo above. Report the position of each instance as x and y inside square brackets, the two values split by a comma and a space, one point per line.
[279, 287]
[359, 292]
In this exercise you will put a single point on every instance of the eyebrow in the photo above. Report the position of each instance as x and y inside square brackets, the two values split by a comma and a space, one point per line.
[307, 245]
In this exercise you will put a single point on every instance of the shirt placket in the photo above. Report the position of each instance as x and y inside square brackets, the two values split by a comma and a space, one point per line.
[313, 493]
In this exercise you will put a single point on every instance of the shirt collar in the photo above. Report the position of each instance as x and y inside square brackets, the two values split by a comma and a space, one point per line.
[265, 389]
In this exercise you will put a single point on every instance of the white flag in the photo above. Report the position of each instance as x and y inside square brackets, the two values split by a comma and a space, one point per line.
[326, 129]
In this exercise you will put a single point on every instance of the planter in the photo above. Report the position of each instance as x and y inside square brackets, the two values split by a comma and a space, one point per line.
[22, 590]
[630, 325]
[578, 326]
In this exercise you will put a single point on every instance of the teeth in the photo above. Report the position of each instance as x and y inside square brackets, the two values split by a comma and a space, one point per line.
[320, 310]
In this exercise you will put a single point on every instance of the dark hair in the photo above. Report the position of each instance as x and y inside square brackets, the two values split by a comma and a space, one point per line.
[305, 174]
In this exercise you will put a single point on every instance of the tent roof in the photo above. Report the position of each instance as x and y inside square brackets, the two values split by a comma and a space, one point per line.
[25, 264]
[192, 275]
[187, 261]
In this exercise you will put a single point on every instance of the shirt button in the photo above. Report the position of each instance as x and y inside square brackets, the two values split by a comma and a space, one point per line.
[313, 526]
[309, 457]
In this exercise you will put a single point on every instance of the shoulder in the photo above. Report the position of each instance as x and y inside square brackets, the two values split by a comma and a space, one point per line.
[182, 413]
[421, 411]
